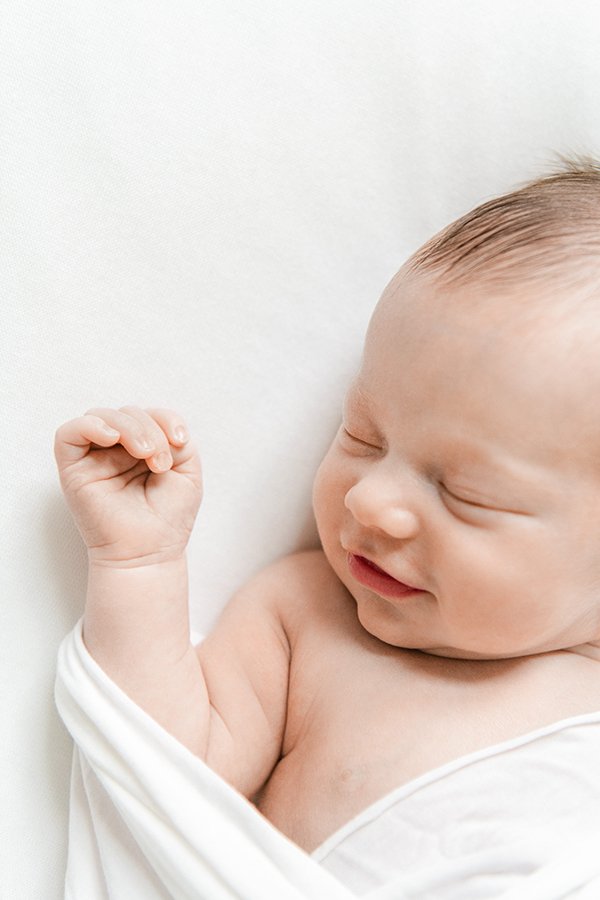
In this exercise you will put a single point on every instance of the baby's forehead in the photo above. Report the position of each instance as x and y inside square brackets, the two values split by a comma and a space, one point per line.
[543, 310]
[540, 352]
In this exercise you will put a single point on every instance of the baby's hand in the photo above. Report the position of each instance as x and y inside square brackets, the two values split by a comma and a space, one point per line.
[132, 482]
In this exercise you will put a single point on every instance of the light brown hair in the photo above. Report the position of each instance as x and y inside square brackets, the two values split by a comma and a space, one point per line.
[548, 228]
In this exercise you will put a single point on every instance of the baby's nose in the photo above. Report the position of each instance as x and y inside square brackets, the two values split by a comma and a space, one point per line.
[373, 507]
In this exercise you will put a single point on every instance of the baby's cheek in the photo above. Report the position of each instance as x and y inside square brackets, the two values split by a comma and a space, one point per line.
[329, 490]
[322, 487]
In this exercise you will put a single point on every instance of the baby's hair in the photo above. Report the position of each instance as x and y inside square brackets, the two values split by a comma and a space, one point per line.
[550, 227]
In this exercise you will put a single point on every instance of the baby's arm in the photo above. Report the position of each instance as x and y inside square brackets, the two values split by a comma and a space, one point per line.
[225, 702]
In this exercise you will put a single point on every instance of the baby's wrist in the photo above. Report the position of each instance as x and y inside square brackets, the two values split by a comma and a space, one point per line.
[150, 585]
[132, 611]
[155, 561]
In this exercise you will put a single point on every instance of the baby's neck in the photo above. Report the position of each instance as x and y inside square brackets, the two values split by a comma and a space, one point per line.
[591, 650]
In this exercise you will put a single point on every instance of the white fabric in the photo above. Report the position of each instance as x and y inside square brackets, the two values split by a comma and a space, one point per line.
[200, 203]
[150, 820]
[482, 824]
[519, 821]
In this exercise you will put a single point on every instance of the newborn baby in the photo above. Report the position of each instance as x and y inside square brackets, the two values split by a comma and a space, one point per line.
[455, 603]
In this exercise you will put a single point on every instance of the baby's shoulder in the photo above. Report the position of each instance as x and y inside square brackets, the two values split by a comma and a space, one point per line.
[302, 564]
[308, 594]
[305, 572]
[542, 689]
[572, 681]
[288, 576]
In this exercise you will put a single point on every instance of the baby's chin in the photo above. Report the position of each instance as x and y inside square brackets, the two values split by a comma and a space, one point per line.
[458, 653]
[389, 631]
[453, 652]
[510, 650]
[386, 627]
[480, 654]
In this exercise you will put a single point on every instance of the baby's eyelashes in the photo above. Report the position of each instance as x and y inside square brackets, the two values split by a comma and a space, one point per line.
[367, 442]
[478, 505]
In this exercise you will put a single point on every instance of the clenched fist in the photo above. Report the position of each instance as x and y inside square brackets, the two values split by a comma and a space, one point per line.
[132, 481]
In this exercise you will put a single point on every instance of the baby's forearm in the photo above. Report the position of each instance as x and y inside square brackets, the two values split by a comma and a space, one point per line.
[136, 626]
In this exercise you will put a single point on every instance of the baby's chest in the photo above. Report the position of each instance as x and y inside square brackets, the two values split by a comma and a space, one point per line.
[375, 726]
[362, 729]
[367, 719]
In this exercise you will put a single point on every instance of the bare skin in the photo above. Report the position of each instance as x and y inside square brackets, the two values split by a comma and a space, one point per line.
[317, 693]
[364, 717]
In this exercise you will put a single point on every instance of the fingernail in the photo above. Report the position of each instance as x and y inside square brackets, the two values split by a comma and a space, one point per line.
[162, 461]
[180, 434]
[145, 444]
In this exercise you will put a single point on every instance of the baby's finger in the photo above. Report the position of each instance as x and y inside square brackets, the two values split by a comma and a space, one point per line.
[73, 439]
[134, 438]
[172, 424]
[185, 455]
[161, 460]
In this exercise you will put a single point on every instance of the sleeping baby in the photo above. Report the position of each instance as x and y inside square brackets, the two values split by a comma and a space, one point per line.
[452, 615]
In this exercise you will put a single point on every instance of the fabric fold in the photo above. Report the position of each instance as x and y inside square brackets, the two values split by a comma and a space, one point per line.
[149, 819]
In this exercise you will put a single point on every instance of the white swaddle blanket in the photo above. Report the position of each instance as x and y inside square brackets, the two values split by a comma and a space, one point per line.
[149, 820]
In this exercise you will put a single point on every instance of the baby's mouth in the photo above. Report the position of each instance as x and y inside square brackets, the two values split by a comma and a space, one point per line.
[370, 575]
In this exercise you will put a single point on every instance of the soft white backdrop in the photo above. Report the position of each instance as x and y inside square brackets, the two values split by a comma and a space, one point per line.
[200, 203]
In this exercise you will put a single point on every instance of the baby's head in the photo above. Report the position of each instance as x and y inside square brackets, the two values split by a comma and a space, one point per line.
[467, 467]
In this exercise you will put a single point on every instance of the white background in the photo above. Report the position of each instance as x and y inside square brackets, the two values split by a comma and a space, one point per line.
[200, 204]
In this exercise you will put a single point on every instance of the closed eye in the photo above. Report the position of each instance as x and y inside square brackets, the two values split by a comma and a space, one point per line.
[465, 500]
[478, 504]
[359, 441]
[352, 437]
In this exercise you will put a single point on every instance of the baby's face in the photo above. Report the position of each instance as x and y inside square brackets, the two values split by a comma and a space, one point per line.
[466, 469]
